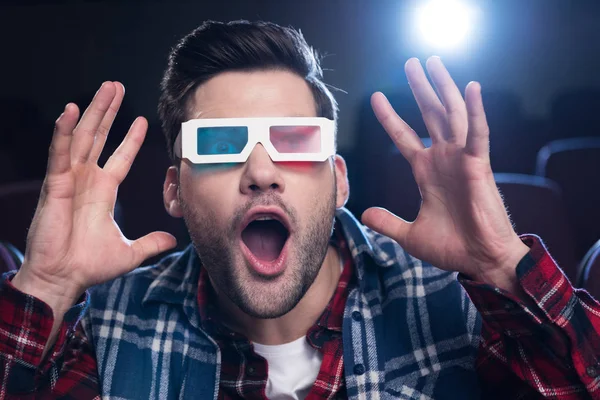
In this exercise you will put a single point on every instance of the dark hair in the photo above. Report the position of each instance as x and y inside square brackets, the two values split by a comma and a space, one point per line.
[217, 47]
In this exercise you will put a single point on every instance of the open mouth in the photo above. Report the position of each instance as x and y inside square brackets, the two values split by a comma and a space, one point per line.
[264, 241]
[265, 237]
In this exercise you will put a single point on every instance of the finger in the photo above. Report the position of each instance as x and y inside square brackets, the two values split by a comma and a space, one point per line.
[85, 132]
[59, 157]
[432, 109]
[120, 161]
[405, 139]
[478, 136]
[386, 223]
[107, 121]
[456, 112]
[151, 245]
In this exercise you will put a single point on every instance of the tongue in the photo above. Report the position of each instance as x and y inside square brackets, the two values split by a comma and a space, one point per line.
[265, 239]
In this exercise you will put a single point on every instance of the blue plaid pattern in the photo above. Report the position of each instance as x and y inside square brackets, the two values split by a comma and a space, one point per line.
[410, 331]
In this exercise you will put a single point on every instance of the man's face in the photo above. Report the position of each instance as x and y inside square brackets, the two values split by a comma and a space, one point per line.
[260, 228]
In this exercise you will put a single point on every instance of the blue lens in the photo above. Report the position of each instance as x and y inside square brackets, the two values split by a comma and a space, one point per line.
[222, 140]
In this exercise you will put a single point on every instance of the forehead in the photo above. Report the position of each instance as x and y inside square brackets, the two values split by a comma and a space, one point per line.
[264, 93]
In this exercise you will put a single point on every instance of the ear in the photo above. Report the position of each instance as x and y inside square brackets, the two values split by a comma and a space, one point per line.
[342, 185]
[170, 193]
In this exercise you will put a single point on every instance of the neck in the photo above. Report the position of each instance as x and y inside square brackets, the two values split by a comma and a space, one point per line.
[296, 322]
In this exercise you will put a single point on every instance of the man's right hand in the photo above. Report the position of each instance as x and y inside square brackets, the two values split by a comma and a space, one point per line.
[73, 242]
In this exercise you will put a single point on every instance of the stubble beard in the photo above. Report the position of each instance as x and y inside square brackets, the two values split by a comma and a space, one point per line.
[215, 248]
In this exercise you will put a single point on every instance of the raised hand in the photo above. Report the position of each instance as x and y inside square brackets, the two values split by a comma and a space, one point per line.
[74, 242]
[462, 224]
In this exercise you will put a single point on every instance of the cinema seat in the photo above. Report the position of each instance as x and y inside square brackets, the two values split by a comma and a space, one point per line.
[535, 205]
[574, 164]
[588, 275]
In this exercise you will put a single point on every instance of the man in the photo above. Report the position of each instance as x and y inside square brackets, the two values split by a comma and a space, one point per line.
[283, 294]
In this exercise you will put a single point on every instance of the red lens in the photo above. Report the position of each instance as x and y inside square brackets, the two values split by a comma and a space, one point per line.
[296, 138]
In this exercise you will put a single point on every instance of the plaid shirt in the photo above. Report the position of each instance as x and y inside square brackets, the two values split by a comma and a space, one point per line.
[410, 331]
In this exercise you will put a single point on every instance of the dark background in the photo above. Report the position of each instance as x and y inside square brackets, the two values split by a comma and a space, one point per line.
[537, 60]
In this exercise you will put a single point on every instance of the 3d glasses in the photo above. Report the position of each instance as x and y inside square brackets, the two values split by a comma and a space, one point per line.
[231, 140]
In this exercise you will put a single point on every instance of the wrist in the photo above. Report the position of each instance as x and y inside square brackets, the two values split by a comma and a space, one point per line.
[58, 297]
[504, 273]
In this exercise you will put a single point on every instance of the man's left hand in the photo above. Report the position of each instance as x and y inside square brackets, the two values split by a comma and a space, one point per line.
[462, 224]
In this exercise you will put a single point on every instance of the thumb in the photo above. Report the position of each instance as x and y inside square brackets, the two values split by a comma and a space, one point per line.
[388, 224]
[152, 244]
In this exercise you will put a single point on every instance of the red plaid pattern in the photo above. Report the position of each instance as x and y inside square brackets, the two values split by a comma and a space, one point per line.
[522, 349]
[69, 369]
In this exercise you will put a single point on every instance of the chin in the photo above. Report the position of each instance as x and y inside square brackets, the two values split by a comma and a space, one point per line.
[268, 297]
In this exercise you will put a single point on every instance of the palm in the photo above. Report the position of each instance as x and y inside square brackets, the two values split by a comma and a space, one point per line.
[74, 242]
[462, 224]
[94, 235]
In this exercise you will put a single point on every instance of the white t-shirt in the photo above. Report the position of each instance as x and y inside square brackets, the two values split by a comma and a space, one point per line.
[292, 368]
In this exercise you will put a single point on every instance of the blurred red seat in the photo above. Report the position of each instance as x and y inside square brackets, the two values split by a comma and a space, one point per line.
[536, 206]
[588, 276]
[575, 165]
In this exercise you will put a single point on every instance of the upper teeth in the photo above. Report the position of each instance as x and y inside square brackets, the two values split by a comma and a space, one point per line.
[264, 219]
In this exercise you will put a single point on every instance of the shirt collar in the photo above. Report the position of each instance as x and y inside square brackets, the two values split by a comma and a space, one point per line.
[362, 241]
[333, 315]
[176, 277]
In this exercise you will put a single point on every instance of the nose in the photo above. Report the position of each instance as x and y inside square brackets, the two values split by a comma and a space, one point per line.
[260, 173]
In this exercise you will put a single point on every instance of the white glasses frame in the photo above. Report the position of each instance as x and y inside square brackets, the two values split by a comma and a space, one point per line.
[186, 142]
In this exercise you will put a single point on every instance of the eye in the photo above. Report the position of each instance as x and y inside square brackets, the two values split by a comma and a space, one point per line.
[292, 139]
[222, 148]
[221, 140]
[292, 143]
[295, 139]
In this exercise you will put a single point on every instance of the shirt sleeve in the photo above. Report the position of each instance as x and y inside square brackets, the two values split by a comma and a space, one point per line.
[547, 347]
[69, 370]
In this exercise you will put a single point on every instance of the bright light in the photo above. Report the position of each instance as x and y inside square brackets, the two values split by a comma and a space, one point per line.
[445, 23]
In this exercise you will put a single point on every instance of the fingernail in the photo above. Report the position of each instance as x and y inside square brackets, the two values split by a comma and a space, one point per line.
[123, 86]
[63, 113]
[101, 86]
[409, 63]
